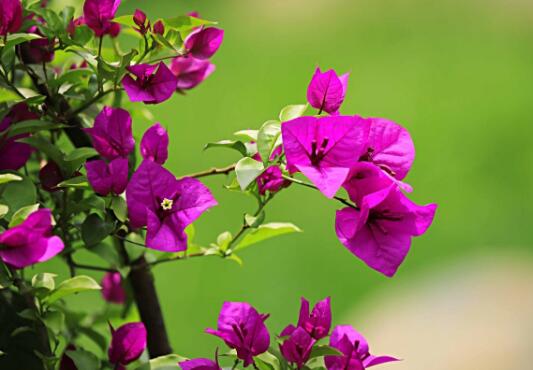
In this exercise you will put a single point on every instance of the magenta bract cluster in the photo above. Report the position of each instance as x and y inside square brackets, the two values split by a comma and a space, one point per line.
[243, 329]
[369, 158]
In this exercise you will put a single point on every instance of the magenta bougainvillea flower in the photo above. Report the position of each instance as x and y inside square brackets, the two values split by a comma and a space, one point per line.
[10, 16]
[165, 205]
[111, 133]
[203, 43]
[139, 18]
[14, 155]
[31, 241]
[151, 84]
[39, 50]
[318, 322]
[324, 148]
[98, 15]
[109, 177]
[297, 347]
[326, 91]
[271, 180]
[355, 351]
[190, 71]
[390, 147]
[112, 289]
[379, 231]
[159, 28]
[243, 329]
[200, 364]
[127, 344]
[154, 144]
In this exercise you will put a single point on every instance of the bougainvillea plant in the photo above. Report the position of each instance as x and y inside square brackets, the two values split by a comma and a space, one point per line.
[72, 181]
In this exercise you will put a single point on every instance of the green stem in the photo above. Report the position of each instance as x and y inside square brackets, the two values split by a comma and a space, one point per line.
[311, 186]
[212, 171]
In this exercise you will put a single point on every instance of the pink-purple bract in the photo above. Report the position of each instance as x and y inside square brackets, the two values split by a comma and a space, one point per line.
[242, 328]
[154, 144]
[326, 91]
[31, 241]
[199, 364]
[379, 231]
[109, 177]
[149, 83]
[324, 148]
[112, 289]
[127, 343]
[190, 71]
[355, 351]
[203, 43]
[165, 205]
[317, 322]
[297, 347]
[14, 155]
[111, 134]
[10, 16]
[98, 14]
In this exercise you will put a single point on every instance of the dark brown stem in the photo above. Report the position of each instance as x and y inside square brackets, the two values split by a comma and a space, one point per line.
[145, 295]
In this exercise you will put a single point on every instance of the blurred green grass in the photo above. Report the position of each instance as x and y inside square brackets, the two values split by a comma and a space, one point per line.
[457, 74]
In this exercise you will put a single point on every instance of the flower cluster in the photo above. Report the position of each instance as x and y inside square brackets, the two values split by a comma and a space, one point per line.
[243, 330]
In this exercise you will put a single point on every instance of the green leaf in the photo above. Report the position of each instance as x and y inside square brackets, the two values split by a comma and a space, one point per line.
[80, 154]
[254, 221]
[8, 177]
[32, 126]
[8, 95]
[267, 361]
[95, 336]
[267, 139]
[71, 286]
[107, 253]
[84, 360]
[18, 194]
[54, 321]
[231, 144]
[3, 210]
[19, 38]
[44, 280]
[267, 231]
[23, 213]
[126, 20]
[78, 182]
[72, 76]
[292, 112]
[247, 135]
[44, 145]
[223, 240]
[247, 170]
[119, 208]
[324, 350]
[167, 362]
[94, 229]
[185, 23]
[82, 35]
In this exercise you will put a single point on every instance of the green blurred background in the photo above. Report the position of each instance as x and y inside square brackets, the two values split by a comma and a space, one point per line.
[457, 74]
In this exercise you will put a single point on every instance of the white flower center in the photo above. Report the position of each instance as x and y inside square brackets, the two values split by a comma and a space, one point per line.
[166, 204]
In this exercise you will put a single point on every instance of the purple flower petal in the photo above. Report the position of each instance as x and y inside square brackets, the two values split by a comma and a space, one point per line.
[390, 147]
[154, 144]
[111, 134]
[326, 91]
[98, 15]
[297, 348]
[150, 86]
[199, 364]
[112, 289]
[127, 343]
[190, 71]
[30, 242]
[10, 16]
[318, 322]
[324, 149]
[203, 43]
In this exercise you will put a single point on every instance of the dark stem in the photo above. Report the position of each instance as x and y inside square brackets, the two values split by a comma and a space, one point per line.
[212, 171]
[145, 295]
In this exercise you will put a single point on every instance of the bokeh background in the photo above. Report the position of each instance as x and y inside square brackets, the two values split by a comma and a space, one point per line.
[459, 75]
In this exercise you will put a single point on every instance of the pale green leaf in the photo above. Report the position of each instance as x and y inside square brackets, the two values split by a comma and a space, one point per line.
[267, 231]
[44, 280]
[8, 177]
[267, 138]
[20, 215]
[71, 286]
[247, 170]
[292, 112]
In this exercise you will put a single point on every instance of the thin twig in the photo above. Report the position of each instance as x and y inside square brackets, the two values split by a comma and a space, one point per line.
[91, 267]
[311, 186]
[212, 171]
[88, 103]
